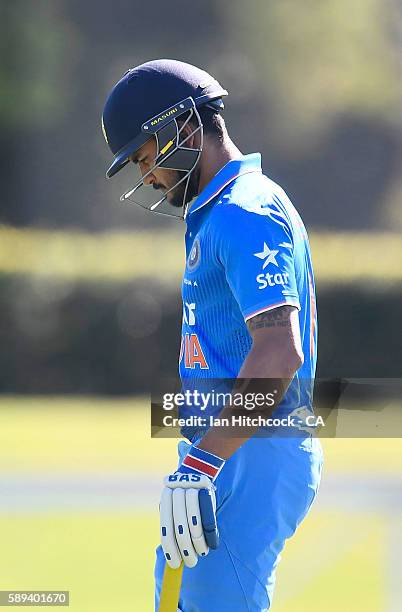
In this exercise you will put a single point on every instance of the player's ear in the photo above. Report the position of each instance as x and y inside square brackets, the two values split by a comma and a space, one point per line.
[187, 135]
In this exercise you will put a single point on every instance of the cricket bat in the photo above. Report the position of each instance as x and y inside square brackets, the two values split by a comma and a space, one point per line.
[170, 592]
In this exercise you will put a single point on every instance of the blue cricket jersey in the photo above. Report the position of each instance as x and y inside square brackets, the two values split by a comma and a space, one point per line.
[247, 252]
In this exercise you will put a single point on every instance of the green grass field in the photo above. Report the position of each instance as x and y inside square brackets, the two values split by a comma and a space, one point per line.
[94, 557]
[105, 557]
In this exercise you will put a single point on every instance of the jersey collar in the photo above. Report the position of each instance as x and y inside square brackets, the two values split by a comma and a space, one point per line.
[231, 171]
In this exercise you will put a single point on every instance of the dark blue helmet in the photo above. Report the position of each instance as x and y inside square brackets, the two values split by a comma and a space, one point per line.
[146, 102]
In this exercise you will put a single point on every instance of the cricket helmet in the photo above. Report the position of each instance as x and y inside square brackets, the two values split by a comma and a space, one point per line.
[147, 102]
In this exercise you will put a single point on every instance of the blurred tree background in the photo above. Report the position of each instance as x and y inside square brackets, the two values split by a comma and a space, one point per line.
[315, 86]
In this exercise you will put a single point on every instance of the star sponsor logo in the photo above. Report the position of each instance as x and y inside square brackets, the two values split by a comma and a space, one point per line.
[270, 280]
[266, 279]
[268, 255]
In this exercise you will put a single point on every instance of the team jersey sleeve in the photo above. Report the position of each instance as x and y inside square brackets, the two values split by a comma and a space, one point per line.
[257, 253]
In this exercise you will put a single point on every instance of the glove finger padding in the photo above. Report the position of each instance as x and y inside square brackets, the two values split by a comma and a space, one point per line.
[168, 539]
[195, 522]
[207, 504]
[181, 528]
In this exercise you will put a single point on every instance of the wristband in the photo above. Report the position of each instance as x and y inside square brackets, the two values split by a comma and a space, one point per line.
[201, 462]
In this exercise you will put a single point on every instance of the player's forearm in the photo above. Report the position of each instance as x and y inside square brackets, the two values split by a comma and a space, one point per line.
[272, 372]
[270, 362]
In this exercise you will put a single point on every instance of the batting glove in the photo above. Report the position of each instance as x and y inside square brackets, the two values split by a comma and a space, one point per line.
[188, 509]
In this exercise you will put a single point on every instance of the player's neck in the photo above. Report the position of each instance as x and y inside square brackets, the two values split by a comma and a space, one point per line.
[214, 157]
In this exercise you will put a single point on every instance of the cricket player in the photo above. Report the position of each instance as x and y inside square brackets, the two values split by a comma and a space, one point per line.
[249, 314]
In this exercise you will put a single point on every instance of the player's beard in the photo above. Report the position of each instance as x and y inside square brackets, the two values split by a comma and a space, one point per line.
[178, 194]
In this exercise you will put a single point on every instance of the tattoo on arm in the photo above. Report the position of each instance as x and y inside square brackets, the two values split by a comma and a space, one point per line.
[277, 317]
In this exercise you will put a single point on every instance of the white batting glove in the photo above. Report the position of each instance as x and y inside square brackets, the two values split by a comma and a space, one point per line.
[188, 509]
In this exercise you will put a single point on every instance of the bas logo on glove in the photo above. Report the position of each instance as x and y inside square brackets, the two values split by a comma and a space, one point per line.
[188, 509]
[179, 477]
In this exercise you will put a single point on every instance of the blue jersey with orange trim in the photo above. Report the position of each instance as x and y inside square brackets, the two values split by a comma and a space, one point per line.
[247, 252]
